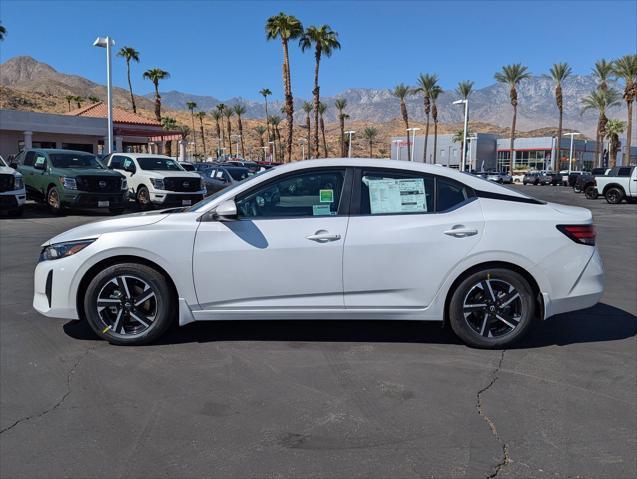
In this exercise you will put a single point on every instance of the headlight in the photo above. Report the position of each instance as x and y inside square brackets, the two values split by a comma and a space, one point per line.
[68, 182]
[158, 183]
[19, 183]
[124, 184]
[62, 250]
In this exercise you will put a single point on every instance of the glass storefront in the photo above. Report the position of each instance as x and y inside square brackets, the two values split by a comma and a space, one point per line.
[525, 159]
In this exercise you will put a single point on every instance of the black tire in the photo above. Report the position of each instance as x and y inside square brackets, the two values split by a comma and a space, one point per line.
[481, 328]
[536, 182]
[614, 195]
[54, 202]
[591, 192]
[140, 323]
[143, 198]
[576, 189]
[524, 183]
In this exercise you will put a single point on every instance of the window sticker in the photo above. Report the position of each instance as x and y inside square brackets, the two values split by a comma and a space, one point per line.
[397, 195]
[321, 210]
[326, 196]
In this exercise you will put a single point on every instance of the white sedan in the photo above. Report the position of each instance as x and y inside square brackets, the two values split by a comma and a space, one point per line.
[330, 239]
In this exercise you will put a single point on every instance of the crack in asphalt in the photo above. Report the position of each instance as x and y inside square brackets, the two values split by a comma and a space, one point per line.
[505, 448]
[69, 377]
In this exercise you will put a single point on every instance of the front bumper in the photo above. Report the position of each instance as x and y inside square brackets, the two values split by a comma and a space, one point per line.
[52, 288]
[10, 200]
[82, 199]
[171, 198]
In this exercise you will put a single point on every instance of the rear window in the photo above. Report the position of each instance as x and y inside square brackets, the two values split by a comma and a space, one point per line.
[450, 194]
[187, 167]
[73, 160]
[164, 164]
[239, 174]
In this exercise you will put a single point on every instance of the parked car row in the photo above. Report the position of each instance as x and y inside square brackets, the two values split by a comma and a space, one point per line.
[614, 184]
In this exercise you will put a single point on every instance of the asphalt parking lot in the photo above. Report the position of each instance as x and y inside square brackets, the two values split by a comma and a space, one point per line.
[320, 399]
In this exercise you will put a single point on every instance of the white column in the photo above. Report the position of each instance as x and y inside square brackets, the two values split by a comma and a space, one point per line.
[28, 139]
[118, 144]
[182, 150]
[162, 144]
[151, 149]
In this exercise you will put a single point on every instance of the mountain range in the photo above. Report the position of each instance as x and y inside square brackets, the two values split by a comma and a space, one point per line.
[490, 104]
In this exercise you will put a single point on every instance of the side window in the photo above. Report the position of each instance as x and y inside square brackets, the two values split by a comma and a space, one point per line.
[395, 192]
[313, 193]
[624, 171]
[40, 161]
[128, 164]
[116, 162]
[29, 158]
[450, 193]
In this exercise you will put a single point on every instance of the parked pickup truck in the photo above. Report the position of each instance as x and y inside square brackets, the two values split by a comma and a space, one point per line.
[12, 192]
[619, 184]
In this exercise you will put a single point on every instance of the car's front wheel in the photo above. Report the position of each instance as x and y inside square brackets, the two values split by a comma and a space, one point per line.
[143, 198]
[129, 304]
[492, 308]
[54, 200]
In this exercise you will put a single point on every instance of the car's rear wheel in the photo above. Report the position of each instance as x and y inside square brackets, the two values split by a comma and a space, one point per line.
[614, 196]
[591, 192]
[129, 304]
[492, 308]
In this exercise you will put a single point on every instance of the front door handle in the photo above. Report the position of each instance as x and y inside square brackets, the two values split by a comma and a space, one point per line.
[323, 236]
[460, 231]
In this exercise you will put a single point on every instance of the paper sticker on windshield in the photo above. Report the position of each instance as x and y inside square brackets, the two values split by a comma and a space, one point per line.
[397, 195]
[326, 196]
[321, 210]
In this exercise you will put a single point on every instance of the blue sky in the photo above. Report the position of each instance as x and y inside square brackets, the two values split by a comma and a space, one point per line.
[219, 48]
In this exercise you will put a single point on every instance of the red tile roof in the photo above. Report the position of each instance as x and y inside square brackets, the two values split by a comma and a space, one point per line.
[98, 110]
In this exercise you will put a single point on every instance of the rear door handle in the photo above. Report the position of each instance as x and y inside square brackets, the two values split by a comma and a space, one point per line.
[322, 236]
[460, 231]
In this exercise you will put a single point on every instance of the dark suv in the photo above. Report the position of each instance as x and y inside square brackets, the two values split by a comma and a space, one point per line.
[66, 178]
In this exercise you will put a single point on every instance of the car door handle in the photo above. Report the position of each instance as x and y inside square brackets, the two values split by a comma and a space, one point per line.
[322, 236]
[460, 231]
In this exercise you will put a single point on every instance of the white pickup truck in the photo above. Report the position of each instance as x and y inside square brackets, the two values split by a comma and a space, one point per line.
[619, 184]
[13, 196]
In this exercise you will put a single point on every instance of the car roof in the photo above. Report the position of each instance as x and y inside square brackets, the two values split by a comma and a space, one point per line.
[143, 155]
[57, 150]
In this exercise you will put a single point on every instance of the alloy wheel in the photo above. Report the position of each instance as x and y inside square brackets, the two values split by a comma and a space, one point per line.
[492, 308]
[54, 199]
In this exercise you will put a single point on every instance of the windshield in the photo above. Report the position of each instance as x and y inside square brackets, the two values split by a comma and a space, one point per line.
[74, 160]
[187, 167]
[164, 164]
[239, 174]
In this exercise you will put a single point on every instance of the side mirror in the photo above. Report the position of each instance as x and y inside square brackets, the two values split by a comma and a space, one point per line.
[226, 211]
[13, 165]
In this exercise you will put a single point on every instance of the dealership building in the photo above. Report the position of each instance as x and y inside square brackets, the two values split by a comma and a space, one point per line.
[487, 152]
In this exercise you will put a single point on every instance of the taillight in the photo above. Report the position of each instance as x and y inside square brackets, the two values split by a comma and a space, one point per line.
[582, 234]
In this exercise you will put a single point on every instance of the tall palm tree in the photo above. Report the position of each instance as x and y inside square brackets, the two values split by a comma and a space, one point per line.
[78, 100]
[307, 108]
[603, 73]
[559, 72]
[191, 105]
[265, 92]
[275, 121]
[216, 116]
[325, 41]
[433, 95]
[600, 100]
[426, 84]
[169, 124]
[240, 110]
[285, 27]
[3, 32]
[69, 99]
[370, 134]
[201, 115]
[155, 75]
[220, 108]
[512, 76]
[260, 130]
[228, 112]
[322, 108]
[463, 90]
[614, 128]
[401, 91]
[626, 69]
[340, 105]
[128, 54]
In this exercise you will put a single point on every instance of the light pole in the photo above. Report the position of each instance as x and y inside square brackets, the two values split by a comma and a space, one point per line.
[218, 145]
[413, 143]
[464, 132]
[273, 143]
[238, 137]
[108, 42]
[570, 155]
[302, 141]
[349, 145]
[265, 151]
[397, 142]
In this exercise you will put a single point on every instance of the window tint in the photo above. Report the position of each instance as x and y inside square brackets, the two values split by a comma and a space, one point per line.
[450, 193]
[386, 192]
[29, 159]
[163, 164]
[316, 193]
[73, 160]
[117, 162]
[624, 171]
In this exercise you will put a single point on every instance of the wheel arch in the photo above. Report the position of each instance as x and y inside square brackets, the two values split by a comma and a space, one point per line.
[613, 185]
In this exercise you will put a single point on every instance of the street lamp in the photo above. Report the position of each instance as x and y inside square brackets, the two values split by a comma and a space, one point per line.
[464, 132]
[413, 144]
[397, 148]
[108, 42]
[265, 151]
[273, 149]
[238, 137]
[302, 142]
[570, 155]
[349, 146]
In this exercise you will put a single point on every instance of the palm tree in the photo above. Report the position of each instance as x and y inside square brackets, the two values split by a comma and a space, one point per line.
[285, 27]
[340, 105]
[426, 84]
[93, 99]
[600, 100]
[512, 75]
[559, 72]
[240, 110]
[265, 92]
[614, 128]
[169, 124]
[433, 95]
[464, 89]
[458, 136]
[3, 32]
[201, 115]
[260, 130]
[228, 112]
[370, 134]
[626, 69]
[155, 75]
[216, 116]
[191, 105]
[603, 73]
[129, 53]
[307, 108]
[276, 134]
[69, 99]
[322, 108]
[78, 100]
[325, 41]
[220, 108]
[401, 91]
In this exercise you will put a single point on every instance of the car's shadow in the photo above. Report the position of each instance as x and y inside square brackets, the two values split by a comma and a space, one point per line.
[600, 323]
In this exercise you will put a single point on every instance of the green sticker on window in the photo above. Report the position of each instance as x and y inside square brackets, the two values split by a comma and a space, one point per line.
[326, 196]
